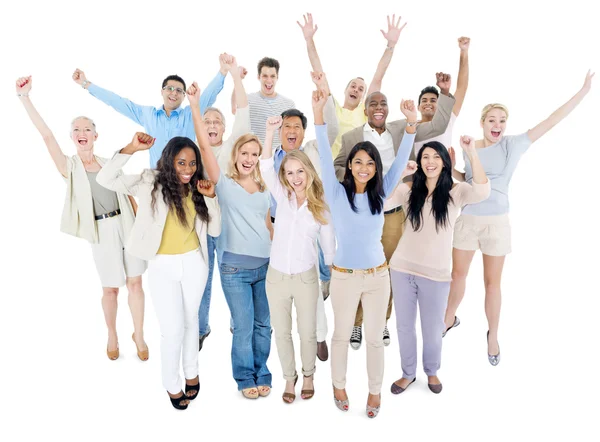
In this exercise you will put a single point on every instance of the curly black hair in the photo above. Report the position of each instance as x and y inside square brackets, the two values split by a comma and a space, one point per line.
[173, 191]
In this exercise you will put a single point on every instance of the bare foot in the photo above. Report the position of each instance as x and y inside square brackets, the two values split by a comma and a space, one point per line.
[433, 380]
[493, 348]
[308, 384]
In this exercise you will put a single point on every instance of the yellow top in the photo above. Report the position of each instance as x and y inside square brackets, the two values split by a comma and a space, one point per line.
[176, 238]
[347, 120]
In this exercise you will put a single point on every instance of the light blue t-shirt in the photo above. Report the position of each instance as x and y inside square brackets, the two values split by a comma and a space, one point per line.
[243, 215]
[499, 162]
[359, 233]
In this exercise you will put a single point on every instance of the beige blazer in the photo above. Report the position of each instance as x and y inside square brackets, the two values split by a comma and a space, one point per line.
[146, 235]
[425, 131]
[78, 210]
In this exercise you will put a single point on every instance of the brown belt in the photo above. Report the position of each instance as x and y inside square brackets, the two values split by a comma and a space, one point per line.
[363, 271]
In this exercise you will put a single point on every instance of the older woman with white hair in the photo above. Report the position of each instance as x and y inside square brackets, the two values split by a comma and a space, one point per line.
[100, 216]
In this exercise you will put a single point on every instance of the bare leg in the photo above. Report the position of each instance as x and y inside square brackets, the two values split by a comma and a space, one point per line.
[109, 306]
[461, 262]
[136, 306]
[492, 277]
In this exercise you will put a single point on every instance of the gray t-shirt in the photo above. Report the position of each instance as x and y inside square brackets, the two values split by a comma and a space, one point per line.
[499, 162]
[105, 200]
[262, 108]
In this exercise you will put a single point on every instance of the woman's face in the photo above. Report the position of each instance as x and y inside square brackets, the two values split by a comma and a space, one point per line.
[247, 158]
[185, 164]
[431, 163]
[363, 167]
[494, 125]
[295, 174]
[83, 134]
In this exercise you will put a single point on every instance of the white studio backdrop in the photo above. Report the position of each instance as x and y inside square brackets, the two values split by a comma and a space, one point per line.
[56, 380]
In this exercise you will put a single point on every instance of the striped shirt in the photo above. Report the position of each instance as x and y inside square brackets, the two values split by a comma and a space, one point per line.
[262, 108]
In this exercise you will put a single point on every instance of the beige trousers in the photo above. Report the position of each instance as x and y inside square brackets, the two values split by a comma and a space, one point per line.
[347, 290]
[393, 227]
[302, 290]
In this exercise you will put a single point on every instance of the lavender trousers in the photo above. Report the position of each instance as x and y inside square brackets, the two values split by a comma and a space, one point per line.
[432, 297]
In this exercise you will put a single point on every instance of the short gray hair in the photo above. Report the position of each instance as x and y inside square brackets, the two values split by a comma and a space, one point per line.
[83, 117]
[214, 109]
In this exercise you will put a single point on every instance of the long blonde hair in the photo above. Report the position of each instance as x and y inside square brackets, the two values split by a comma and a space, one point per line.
[491, 106]
[315, 195]
[232, 171]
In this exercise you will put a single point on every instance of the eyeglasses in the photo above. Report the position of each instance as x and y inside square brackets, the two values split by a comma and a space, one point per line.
[173, 88]
[214, 122]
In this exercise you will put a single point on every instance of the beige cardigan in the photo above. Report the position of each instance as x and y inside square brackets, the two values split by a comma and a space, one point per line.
[146, 235]
[78, 211]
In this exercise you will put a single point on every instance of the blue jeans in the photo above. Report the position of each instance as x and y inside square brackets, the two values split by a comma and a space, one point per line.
[324, 274]
[203, 311]
[247, 299]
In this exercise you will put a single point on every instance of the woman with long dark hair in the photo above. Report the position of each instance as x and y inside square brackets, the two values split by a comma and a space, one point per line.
[420, 266]
[177, 209]
[101, 217]
[360, 271]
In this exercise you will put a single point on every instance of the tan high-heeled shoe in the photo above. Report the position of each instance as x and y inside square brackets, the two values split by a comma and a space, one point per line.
[113, 355]
[143, 355]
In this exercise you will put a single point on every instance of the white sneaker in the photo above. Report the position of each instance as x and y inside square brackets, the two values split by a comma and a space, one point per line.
[386, 336]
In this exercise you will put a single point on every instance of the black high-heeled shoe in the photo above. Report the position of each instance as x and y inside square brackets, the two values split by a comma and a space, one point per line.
[189, 388]
[176, 401]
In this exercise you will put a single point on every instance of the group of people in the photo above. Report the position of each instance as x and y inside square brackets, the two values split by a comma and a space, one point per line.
[371, 212]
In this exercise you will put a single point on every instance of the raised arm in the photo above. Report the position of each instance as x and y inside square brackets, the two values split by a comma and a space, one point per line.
[392, 177]
[308, 30]
[267, 164]
[456, 174]
[330, 182]
[239, 92]
[111, 175]
[439, 123]
[392, 35]
[468, 146]
[463, 75]
[125, 107]
[559, 114]
[208, 156]
[23, 86]
[234, 95]
[210, 93]
[329, 115]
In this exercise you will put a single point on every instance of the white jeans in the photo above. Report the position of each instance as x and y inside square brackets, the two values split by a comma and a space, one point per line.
[321, 319]
[176, 286]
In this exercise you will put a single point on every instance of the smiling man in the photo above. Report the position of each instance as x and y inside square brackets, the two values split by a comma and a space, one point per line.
[166, 122]
[387, 137]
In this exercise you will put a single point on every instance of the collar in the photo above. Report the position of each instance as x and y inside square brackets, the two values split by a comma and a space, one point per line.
[369, 129]
[174, 111]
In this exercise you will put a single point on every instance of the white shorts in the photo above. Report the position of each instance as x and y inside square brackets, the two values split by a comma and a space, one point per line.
[491, 234]
[113, 263]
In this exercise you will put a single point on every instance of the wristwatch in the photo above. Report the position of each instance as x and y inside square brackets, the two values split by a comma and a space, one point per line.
[408, 123]
[84, 84]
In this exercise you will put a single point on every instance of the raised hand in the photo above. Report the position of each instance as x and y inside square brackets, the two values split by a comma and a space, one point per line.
[142, 141]
[23, 85]
[394, 29]
[308, 29]
[274, 123]
[468, 144]
[464, 43]
[206, 188]
[411, 167]
[408, 108]
[319, 98]
[79, 77]
[452, 154]
[443, 81]
[243, 72]
[226, 62]
[193, 94]
[320, 80]
[587, 84]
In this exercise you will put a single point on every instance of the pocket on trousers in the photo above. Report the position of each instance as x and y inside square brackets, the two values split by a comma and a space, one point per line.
[274, 276]
[309, 277]
[336, 274]
[227, 270]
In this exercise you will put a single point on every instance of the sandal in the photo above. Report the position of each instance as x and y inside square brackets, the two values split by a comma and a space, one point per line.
[195, 387]
[307, 394]
[264, 390]
[176, 402]
[114, 354]
[250, 393]
[342, 405]
[142, 354]
[290, 396]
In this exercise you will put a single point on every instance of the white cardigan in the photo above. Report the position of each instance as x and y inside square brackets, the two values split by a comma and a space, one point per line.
[146, 235]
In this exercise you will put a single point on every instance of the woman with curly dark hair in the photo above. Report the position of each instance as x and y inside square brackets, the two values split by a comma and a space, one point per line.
[176, 211]
[421, 265]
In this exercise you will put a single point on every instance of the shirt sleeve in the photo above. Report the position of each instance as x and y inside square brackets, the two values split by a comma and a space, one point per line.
[473, 193]
[391, 179]
[330, 182]
[399, 196]
[327, 240]
[210, 93]
[122, 105]
[267, 170]
[518, 144]
[111, 176]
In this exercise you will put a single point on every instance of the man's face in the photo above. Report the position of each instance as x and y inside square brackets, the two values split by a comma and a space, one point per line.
[268, 80]
[291, 133]
[428, 104]
[355, 92]
[376, 109]
[173, 94]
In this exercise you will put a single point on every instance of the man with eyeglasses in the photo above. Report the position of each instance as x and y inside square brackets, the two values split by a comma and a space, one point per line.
[170, 120]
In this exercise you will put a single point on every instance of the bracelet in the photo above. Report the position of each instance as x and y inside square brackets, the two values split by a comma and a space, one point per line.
[408, 123]
[84, 84]
[389, 49]
[22, 95]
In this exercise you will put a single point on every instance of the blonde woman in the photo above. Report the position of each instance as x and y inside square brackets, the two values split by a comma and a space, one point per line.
[485, 225]
[243, 251]
[302, 217]
[102, 217]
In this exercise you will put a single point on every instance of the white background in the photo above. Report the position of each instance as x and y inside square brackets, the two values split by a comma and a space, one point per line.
[56, 380]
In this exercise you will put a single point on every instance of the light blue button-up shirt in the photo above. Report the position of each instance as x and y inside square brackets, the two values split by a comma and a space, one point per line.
[155, 121]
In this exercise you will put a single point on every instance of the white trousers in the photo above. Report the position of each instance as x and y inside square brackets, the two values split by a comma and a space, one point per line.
[176, 286]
